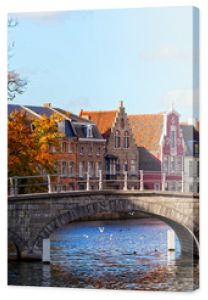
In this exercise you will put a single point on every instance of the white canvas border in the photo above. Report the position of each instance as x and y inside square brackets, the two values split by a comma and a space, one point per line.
[52, 5]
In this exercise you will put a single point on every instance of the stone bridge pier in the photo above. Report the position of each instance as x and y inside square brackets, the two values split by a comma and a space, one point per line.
[33, 218]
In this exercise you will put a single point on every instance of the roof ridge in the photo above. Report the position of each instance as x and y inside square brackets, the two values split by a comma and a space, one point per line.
[98, 111]
[159, 114]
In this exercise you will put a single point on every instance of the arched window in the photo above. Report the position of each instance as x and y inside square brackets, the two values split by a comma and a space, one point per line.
[117, 140]
[89, 131]
[126, 139]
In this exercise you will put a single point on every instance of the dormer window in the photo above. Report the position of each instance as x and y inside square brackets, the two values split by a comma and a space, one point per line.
[89, 131]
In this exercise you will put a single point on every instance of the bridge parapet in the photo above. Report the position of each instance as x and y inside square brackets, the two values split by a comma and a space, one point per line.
[144, 180]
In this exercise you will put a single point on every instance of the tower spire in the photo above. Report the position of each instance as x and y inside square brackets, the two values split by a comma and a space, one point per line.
[172, 105]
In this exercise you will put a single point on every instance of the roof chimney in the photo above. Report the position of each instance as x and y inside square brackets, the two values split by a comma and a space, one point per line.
[47, 104]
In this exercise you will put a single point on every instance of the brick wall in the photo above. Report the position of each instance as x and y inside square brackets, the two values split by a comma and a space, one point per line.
[125, 149]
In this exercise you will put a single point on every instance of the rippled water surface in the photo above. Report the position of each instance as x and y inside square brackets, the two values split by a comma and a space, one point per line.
[127, 254]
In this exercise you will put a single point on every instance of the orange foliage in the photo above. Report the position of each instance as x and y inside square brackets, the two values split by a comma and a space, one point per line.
[29, 142]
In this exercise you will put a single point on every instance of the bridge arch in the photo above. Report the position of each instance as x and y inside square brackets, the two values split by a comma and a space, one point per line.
[17, 241]
[177, 220]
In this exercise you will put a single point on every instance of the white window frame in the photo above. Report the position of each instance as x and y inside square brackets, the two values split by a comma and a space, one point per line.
[81, 169]
[81, 150]
[90, 168]
[98, 167]
[126, 139]
[62, 168]
[63, 148]
[117, 139]
[133, 167]
[71, 168]
[98, 152]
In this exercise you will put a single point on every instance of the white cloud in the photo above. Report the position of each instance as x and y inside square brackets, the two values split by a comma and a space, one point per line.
[167, 52]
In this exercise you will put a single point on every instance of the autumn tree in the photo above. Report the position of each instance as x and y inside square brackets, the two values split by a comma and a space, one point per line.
[29, 141]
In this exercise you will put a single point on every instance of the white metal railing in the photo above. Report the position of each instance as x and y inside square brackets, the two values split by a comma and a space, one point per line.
[144, 180]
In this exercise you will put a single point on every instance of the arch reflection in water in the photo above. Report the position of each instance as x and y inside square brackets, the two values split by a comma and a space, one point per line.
[129, 254]
[118, 256]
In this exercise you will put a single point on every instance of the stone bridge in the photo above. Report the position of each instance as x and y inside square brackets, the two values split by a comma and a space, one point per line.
[34, 217]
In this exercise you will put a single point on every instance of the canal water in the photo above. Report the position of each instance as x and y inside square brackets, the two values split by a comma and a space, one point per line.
[127, 254]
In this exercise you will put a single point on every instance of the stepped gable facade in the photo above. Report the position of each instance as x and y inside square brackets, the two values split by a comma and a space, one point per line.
[121, 150]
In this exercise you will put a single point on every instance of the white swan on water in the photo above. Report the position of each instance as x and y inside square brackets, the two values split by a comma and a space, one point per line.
[101, 229]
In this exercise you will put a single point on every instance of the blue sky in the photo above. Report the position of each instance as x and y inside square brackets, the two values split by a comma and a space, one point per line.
[93, 59]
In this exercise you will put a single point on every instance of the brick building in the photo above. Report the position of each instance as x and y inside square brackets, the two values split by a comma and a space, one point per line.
[161, 149]
[90, 150]
[149, 149]
[81, 150]
[121, 150]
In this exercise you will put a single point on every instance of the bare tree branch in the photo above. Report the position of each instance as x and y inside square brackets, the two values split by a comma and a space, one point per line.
[15, 85]
[12, 22]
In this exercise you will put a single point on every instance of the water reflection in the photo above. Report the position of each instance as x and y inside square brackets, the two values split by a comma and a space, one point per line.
[171, 258]
[130, 254]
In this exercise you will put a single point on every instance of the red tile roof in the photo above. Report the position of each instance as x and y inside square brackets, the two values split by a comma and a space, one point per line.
[147, 130]
[103, 119]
